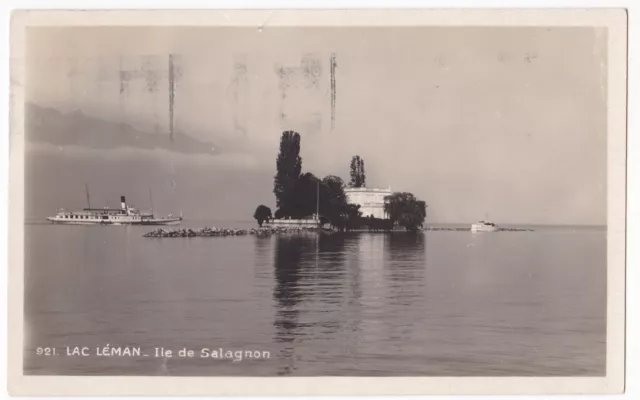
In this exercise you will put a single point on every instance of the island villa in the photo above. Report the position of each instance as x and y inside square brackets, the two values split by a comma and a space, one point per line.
[370, 200]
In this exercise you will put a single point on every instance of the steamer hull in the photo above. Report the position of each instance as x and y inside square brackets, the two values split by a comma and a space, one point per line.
[125, 215]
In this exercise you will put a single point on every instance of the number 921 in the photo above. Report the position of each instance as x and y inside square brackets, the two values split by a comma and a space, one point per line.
[46, 351]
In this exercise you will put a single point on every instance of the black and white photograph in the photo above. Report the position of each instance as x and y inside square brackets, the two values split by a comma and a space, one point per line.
[292, 199]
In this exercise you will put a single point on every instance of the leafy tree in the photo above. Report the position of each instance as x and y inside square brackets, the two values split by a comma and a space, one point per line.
[353, 216]
[288, 167]
[358, 178]
[310, 195]
[279, 214]
[405, 209]
[305, 195]
[262, 213]
[350, 217]
[333, 200]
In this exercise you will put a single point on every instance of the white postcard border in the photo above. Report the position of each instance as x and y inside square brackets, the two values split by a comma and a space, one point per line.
[613, 382]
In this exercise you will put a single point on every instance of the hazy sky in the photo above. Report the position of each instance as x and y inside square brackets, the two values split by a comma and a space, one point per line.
[504, 123]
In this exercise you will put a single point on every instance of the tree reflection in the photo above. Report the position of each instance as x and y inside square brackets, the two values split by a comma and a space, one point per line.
[309, 275]
[289, 254]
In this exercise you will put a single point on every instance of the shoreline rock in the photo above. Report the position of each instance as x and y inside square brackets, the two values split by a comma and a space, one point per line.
[264, 232]
[217, 232]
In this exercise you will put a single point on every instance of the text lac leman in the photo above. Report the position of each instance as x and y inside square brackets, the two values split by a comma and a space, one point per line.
[105, 351]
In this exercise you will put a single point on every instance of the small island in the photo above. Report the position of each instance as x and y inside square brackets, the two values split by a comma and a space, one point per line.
[304, 200]
[306, 203]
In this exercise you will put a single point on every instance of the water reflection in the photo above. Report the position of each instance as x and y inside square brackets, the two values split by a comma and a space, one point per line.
[289, 252]
[406, 258]
[329, 292]
[309, 273]
[405, 272]
[263, 248]
[288, 257]
[342, 286]
[327, 283]
[351, 304]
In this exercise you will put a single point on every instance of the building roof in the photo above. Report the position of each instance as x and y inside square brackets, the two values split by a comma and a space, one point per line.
[367, 190]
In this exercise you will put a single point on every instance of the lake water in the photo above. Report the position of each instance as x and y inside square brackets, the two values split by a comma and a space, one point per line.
[437, 304]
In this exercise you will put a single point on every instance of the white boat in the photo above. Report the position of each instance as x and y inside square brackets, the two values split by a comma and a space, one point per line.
[484, 226]
[312, 222]
[124, 215]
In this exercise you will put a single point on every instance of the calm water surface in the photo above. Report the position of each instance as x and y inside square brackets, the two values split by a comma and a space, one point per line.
[437, 304]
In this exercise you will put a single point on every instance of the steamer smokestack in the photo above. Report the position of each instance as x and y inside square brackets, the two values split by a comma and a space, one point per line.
[123, 203]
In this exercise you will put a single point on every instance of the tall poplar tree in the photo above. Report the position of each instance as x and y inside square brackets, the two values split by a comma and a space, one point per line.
[288, 168]
[358, 178]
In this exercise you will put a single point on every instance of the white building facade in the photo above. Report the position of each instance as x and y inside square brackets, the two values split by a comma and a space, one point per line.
[370, 200]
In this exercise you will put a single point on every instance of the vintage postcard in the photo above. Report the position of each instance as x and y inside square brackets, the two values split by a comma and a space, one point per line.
[317, 202]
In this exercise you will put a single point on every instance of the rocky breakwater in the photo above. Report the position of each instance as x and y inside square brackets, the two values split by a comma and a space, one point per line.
[215, 232]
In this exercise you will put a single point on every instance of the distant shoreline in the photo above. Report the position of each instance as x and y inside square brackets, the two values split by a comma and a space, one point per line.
[431, 228]
[434, 226]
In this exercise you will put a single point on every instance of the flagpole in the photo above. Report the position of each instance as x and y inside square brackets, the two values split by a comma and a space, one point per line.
[151, 199]
[86, 188]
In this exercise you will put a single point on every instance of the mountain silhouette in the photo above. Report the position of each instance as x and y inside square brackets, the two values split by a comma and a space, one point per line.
[47, 125]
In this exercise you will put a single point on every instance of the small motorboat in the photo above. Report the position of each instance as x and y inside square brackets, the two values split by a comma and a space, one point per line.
[484, 226]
